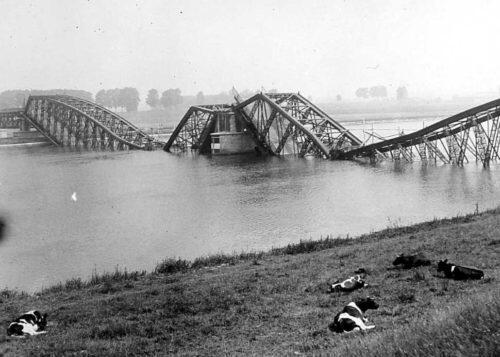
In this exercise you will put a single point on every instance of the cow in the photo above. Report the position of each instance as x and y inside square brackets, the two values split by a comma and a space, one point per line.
[458, 272]
[351, 318]
[351, 284]
[411, 261]
[30, 323]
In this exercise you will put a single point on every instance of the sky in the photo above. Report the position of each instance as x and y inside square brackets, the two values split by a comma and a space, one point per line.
[320, 48]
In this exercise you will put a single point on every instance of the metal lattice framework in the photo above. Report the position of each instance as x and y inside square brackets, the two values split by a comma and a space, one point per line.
[472, 134]
[74, 122]
[11, 118]
[288, 123]
[192, 132]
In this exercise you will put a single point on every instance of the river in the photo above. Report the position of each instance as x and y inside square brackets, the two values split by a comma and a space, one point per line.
[72, 213]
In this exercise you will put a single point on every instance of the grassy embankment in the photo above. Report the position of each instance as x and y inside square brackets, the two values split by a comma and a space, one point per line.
[276, 303]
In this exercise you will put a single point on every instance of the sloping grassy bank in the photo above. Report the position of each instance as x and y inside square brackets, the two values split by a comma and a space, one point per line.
[276, 303]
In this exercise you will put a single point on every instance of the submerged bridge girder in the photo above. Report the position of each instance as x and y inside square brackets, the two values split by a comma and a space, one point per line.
[192, 132]
[74, 122]
[474, 133]
[288, 123]
[280, 123]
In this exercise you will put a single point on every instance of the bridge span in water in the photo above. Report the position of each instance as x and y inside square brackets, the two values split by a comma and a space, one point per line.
[267, 123]
[288, 123]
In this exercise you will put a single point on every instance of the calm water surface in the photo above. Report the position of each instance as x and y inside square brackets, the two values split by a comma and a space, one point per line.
[135, 208]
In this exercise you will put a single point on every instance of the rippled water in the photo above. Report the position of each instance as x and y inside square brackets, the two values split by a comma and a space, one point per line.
[135, 208]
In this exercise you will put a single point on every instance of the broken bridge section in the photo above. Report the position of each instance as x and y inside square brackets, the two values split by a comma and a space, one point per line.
[193, 131]
[280, 124]
[473, 134]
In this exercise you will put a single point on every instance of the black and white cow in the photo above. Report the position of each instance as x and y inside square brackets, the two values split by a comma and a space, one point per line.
[351, 284]
[458, 272]
[30, 323]
[351, 318]
[411, 261]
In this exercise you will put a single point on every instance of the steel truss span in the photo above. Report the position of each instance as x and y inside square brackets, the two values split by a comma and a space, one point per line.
[280, 123]
[193, 131]
[288, 123]
[74, 122]
[470, 135]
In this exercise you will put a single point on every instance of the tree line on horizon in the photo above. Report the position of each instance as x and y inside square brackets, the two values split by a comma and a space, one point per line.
[378, 92]
[128, 98]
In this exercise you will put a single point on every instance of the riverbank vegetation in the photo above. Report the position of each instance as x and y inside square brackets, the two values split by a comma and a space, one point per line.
[277, 302]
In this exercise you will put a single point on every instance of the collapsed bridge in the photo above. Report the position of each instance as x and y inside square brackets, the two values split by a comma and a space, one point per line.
[473, 134]
[273, 123]
[287, 123]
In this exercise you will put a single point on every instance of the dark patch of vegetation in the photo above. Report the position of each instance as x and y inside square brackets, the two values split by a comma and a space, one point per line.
[171, 266]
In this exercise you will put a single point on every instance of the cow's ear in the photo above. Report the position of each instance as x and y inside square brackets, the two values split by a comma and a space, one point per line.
[445, 261]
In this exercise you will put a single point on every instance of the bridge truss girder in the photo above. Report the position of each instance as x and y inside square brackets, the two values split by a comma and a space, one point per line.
[287, 123]
[73, 122]
[193, 131]
[472, 134]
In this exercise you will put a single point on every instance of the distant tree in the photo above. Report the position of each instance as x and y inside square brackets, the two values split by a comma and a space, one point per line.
[273, 90]
[402, 93]
[171, 97]
[200, 98]
[362, 92]
[114, 98]
[153, 99]
[378, 92]
[129, 99]
[339, 98]
[101, 98]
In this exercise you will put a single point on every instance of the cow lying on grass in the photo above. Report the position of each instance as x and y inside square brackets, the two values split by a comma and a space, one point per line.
[351, 318]
[30, 323]
[458, 272]
[351, 284]
[411, 261]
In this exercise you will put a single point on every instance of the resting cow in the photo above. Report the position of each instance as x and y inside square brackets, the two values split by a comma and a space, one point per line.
[351, 284]
[458, 272]
[352, 318]
[411, 261]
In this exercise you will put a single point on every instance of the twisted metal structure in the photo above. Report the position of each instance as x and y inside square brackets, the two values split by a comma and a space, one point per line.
[280, 123]
[74, 122]
[471, 134]
[288, 123]
[192, 132]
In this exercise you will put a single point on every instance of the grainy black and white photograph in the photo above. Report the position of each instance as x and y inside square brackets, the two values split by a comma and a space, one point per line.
[249, 178]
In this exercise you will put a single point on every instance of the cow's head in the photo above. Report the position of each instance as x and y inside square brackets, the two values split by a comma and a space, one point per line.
[400, 259]
[443, 265]
[366, 303]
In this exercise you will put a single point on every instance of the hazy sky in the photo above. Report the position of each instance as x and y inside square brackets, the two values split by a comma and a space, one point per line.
[319, 48]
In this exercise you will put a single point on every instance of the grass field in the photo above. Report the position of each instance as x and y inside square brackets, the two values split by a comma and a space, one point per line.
[276, 303]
